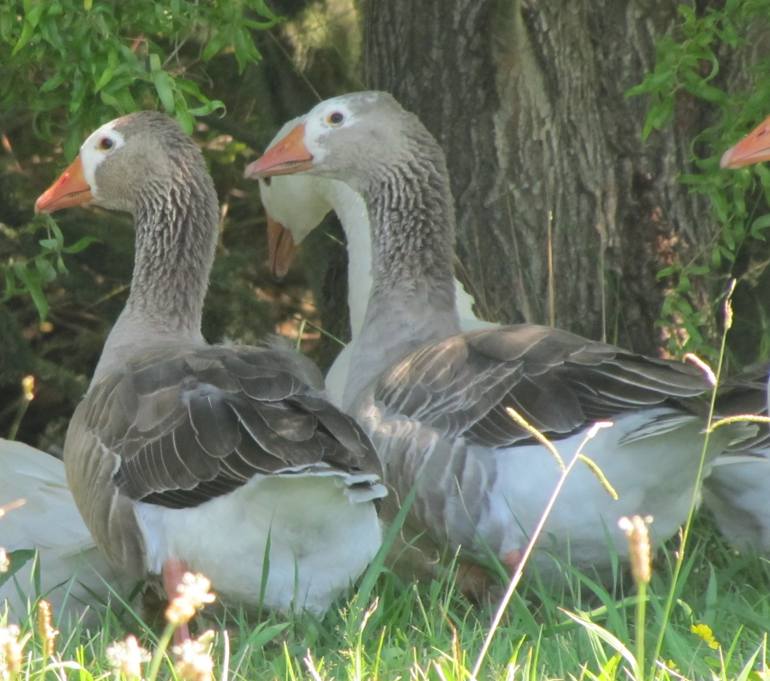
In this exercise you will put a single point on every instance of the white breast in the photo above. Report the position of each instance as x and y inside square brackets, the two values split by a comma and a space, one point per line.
[315, 539]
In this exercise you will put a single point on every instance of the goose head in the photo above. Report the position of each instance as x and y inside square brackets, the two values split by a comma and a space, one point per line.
[123, 163]
[754, 148]
[353, 138]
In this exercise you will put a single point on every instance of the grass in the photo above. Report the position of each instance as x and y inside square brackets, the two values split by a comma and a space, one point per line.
[576, 629]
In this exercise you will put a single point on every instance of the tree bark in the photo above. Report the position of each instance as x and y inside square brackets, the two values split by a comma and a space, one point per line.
[545, 152]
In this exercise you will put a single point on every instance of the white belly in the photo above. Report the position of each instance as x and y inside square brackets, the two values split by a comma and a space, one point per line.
[654, 475]
[738, 495]
[313, 539]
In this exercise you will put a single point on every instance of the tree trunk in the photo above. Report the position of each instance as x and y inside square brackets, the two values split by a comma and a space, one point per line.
[545, 151]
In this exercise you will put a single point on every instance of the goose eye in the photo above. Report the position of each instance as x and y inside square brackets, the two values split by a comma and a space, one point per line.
[105, 143]
[335, 118]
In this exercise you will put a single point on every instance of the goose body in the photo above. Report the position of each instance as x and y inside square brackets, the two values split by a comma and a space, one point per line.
[72, 573]
[434, 399]
[182, 455]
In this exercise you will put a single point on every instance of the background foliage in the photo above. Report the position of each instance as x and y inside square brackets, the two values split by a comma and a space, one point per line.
[686, 76]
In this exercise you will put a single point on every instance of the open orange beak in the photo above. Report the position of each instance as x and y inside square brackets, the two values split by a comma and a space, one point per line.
[287, 156]
[71, 189]
[754, 148]
[281, 248]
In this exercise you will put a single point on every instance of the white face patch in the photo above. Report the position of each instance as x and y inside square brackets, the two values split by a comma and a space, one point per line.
[322, 119]
[100, 144]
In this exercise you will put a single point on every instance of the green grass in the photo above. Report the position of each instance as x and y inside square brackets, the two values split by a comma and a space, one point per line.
[575, 629]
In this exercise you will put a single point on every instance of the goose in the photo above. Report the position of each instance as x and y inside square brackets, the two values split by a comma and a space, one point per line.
[219, 459]
[434, 399]
[70, 572]
[294, 206]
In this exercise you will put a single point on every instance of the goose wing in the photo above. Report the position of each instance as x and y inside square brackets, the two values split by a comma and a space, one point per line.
[185, 426]
[557, 381]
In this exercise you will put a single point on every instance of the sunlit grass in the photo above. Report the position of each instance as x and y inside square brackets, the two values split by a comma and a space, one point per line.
[430, 631]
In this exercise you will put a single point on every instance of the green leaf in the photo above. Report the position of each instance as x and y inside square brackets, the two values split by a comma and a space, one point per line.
[31, 19]
[213, 46]
[19, 559]
[164, 86]
[53, 82]
[655, 82]
[31, 280]
[45, 269]
[658, 115]
[154, 62]
[209, 107]
[56, 230]
[80, 244]
[105, 78]
[186, 121]
[759, 225]
[10, 284]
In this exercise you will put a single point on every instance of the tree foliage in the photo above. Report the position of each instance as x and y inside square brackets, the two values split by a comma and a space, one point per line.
[688, 74]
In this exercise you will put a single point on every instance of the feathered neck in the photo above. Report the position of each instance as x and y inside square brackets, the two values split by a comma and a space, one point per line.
[412, 300]
[176, 230]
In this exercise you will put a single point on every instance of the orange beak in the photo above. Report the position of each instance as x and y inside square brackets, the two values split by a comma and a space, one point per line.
[287, 156]
[71, 189]
[280, 248]
[754, 148]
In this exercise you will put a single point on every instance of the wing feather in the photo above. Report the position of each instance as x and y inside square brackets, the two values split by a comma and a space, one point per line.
[557, 381]
[190, 424]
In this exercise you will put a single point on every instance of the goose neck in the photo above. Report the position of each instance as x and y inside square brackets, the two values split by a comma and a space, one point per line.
[176, 231]
[412, 300]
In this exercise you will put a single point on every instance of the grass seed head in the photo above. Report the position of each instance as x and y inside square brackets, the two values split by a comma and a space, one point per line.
[45, 628]
[192, 595]
[5, 563]
[636, 529]
[193, 658]
[28, 387]
[11, 652]
[127, 658]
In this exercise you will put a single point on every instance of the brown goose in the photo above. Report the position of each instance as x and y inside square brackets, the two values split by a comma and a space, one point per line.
[184, 455]
[434, 399]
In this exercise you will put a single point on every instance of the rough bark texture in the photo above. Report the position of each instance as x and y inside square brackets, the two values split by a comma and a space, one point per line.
[527, 99]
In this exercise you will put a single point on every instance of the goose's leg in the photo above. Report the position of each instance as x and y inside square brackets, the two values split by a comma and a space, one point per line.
[173, 571]
[512, 559]
[475, 582]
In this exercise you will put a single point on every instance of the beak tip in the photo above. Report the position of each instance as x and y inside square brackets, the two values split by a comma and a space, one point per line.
[724, 162]
[39, 205]
[250, 172]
